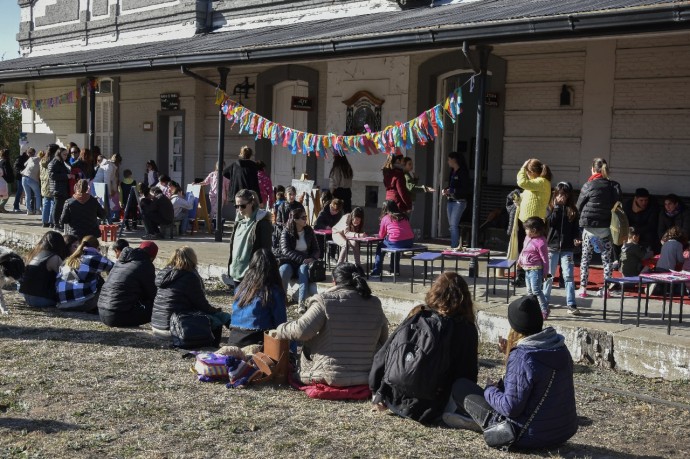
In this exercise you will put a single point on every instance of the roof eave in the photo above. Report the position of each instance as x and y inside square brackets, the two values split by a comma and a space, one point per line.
[667, 18]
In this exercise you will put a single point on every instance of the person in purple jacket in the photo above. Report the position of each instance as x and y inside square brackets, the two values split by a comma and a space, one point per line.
[537, 393]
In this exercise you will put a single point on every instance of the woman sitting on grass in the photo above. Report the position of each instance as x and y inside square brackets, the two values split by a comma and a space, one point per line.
[181, 290]
[259, 301]
[341, 331]
[448, 303]
[79, 281]
[42, 265]
[537, 393]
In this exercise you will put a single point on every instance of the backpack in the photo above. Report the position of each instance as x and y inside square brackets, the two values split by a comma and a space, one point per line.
[193, 330]
[619, 224]
[411, 368]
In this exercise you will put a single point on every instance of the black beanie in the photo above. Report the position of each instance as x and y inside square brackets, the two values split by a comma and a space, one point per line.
[641, 193]
[524, 315]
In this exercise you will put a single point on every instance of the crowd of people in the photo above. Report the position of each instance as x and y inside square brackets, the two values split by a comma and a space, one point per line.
[343, 332]
[550, 224]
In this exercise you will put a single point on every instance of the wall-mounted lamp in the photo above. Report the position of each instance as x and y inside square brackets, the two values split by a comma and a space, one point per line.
[243, 88]
[566, 96]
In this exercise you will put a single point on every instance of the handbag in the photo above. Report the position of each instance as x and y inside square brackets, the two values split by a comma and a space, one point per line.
[502, 433]
[191, 330]
[317, 271]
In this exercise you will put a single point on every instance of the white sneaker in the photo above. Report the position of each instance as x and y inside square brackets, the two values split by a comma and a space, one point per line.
[459, 421]
[573, 311]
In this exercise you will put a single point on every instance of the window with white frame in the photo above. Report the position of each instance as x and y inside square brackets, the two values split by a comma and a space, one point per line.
[103, 132]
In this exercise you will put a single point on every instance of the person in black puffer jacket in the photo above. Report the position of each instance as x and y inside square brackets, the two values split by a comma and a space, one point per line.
[298, 248]
[58, 185]
[181, 290]
[597, 198]
[127, 296]
[82, 212]
[243, 174]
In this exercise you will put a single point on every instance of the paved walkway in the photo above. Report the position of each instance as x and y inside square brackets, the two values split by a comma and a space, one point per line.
[650, 351]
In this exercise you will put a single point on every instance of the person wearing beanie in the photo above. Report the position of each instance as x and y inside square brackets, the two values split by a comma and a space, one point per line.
[537, 392]
[127, 296]
[643, 215]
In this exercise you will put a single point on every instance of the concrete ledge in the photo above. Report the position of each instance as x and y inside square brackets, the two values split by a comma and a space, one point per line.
[644, 350]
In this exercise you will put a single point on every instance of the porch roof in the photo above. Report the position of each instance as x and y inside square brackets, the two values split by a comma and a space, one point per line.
[483, 21]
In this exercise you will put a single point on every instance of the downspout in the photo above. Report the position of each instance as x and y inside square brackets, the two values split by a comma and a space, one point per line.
[222, 85]
[223, 71]
[483, 54]
[92, 112]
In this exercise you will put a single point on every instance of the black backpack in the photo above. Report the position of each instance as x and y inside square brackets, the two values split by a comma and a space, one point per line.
[193, 330]
[410, 370]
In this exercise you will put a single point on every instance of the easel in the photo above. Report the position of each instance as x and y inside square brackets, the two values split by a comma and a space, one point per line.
[305, 190]
[201, 210]
[132, 200]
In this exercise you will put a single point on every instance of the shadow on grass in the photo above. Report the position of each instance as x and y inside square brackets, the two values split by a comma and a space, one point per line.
[35, 425]
[574, 450]
[116, 337]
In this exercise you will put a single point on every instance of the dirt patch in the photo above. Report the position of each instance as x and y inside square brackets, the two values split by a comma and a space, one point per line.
[71, 387]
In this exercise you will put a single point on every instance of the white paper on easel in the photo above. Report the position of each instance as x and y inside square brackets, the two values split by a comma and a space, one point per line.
[306, 188]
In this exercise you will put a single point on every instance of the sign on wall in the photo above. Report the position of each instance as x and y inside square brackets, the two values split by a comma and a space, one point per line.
[170, 101]
[491, 99]
[302, 103]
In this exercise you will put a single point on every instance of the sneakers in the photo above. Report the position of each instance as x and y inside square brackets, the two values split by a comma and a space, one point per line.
[582, 293]
[375, 272]
[545, 314]
[227, 280]
[459, 421]
[573, 311]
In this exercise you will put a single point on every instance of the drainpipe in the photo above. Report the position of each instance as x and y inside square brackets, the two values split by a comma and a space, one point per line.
[92, 112]
[483, 54]
[223, 71]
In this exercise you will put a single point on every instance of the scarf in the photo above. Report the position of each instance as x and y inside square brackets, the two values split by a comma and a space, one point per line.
[595, 177]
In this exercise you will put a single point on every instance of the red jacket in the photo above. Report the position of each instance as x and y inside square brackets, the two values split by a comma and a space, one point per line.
[394, 180]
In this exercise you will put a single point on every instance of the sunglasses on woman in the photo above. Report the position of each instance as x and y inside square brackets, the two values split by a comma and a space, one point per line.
[241, 206]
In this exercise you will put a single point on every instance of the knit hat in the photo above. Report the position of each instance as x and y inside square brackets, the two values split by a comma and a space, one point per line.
[149, 247]
[642, 193]
[524, 315]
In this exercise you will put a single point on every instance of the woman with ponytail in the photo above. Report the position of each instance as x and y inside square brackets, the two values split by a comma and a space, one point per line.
[597, 198]
[79, 281]
[341, 331]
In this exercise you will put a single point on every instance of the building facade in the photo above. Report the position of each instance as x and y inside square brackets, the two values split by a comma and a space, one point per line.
[618, 94]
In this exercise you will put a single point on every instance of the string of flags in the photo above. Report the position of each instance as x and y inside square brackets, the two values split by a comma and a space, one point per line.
[50, 102]
[423, 129]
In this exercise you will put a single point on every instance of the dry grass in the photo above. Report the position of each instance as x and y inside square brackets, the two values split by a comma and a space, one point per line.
[71, 387]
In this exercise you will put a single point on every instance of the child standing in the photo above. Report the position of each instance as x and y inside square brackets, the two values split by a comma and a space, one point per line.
[534, 259]
[633, 255]
[564, 235]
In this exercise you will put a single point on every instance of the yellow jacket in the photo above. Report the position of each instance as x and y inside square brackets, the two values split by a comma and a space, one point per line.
[535, 197]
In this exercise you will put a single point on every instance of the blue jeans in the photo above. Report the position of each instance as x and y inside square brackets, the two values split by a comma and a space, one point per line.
[455, 210]
[39, 301]
[395, 260]
[286, 273]
[18, 196]
[567, 271]
[46, 216]
[534, 279]
[33, 193]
